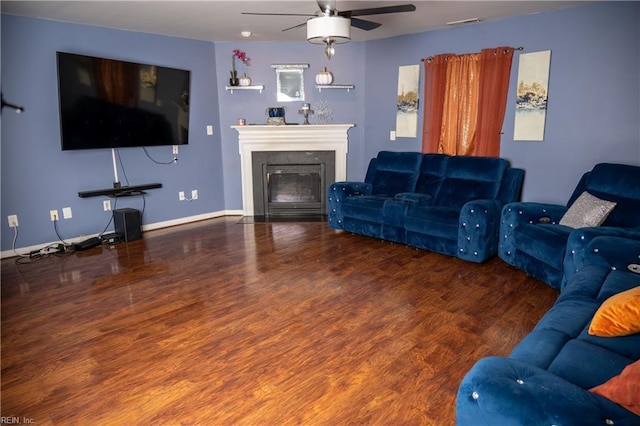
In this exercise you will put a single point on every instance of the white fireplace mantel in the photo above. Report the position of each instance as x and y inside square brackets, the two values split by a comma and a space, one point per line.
[311, 137]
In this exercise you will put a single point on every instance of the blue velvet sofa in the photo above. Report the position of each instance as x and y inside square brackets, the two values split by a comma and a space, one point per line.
[533, 240]
[547, 377]
[446, 204]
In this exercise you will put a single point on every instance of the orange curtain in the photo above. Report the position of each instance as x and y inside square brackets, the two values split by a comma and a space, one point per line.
[465, 99]
[460, 108]
[494, 86]
[435, 79]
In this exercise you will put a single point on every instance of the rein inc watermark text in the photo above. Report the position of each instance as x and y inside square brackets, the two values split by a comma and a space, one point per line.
[16, 420]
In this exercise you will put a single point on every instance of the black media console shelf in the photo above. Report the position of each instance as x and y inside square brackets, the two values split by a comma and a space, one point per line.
[124, 191]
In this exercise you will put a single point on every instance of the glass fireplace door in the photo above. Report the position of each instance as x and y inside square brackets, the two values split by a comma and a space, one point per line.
[294, 189]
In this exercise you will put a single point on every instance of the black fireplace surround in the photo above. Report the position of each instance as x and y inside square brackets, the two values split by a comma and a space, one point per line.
[291, 183]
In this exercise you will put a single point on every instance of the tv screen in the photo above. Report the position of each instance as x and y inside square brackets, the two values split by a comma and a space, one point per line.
[107, 103]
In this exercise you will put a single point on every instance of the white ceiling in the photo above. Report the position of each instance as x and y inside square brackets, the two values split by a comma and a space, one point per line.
[213, 20]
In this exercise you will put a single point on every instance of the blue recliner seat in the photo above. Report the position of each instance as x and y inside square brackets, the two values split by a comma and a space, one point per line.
[468, 196]
[358, 207]
[447, 204]
[533, 240]
[547, 377]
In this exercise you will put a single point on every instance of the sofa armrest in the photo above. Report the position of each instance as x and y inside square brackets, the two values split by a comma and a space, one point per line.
[338, 191]
[478, 228]
[530, 212]
[503, 391]
[579, 239]
[611, 251]
[514, 214]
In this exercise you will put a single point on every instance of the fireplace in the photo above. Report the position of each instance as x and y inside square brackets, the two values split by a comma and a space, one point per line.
[291, 182]
[319, 149]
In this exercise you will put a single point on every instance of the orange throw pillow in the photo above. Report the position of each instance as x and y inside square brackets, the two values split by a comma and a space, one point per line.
[623, 389]
[619, 315]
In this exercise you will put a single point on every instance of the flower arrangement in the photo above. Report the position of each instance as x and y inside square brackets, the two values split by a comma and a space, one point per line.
[243, 58]
[240, 55]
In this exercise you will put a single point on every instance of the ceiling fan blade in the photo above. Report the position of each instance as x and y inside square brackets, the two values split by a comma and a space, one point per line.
[295, 26]
[378, 10]
[364, 25]
[276, 14]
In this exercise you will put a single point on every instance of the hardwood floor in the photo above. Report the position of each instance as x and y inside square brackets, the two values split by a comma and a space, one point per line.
[220, 323]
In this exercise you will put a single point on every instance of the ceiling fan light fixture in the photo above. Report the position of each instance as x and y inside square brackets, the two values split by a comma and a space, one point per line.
[329, 50]
[328, 30]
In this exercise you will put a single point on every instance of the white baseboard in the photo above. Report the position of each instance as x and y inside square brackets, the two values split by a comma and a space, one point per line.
[149, 227]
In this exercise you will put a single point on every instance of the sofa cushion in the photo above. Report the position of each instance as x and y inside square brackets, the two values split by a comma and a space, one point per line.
[433, 220]
[540, 347]
[619, 315]
[628, 346]
[545, 242]
[587, 211]
[389, 183]
[395, 172]
[615, 179]
[394, 211]
[365, 207]
[592, 286]
[626, 214]
[470, 178]
[623, 389]
[587, 365]
[432, 173]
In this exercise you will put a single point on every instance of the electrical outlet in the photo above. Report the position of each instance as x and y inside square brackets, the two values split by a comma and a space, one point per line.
[175, 150]
[392, 135]
[13, 220]
[209, 130]
[66, 213]
[194, 194]
[106, 205]
[54, 215]
[181, 196]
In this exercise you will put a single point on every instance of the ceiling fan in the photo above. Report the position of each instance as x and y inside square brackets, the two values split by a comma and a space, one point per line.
[329, 26]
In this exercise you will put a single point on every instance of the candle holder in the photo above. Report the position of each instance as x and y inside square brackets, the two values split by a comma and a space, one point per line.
[306, 111]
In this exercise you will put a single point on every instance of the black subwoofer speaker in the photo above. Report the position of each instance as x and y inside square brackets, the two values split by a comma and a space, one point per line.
[128, 223]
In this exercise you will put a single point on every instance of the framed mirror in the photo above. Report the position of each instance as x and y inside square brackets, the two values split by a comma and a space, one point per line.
[290, 82]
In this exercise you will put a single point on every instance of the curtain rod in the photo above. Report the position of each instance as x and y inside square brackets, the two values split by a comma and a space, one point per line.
[430, 58]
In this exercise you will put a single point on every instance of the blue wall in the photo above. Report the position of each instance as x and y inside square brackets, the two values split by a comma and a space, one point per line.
[348, 107]
[37, 176]
[594, 89]
[593, 114]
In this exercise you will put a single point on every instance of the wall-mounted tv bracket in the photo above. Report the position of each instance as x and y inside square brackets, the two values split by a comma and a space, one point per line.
[17, 109]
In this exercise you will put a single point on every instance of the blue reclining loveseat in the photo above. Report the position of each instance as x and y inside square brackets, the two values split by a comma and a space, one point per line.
[534, 238]
[547, 378]
[442, 203]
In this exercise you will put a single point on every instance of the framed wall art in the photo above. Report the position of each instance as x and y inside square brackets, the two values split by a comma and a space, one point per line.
[532, 96]
[407, 101]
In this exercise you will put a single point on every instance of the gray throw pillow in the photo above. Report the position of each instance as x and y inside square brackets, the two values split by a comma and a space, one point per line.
[586, 211]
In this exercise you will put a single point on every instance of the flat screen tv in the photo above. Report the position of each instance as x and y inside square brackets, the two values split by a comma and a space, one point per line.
[107, 103]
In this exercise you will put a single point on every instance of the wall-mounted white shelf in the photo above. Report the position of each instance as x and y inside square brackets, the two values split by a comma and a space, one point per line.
[232, 88]
[347, 87]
